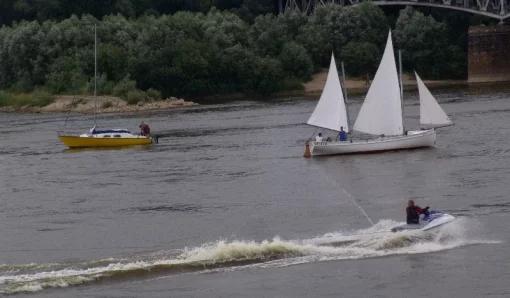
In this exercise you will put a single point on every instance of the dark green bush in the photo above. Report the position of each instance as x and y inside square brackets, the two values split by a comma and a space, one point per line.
[123, 87]
[153, 94]
[135, 96]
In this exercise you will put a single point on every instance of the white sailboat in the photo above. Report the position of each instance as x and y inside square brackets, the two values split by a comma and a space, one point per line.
[381, 114]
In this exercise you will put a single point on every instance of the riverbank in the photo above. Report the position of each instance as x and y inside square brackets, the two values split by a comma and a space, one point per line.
[104, 104]
[356, 86]
[111, 104]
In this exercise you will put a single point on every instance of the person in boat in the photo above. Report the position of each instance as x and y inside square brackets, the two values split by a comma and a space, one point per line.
[342, 135]
[145, 130]
[318, 138]
[413, 213]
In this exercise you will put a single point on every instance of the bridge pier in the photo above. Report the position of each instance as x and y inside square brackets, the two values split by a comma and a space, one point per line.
[489, 54]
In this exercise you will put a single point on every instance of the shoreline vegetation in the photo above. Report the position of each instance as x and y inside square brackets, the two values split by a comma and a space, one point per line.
[212, 53]
[41, 102]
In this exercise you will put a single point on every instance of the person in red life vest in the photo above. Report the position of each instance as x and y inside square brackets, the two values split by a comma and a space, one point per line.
[413, 212]
[145, 130]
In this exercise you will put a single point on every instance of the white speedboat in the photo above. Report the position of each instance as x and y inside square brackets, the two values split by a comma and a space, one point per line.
[380, 116]
[435, 219]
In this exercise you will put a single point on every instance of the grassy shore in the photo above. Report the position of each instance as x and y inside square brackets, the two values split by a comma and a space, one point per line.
[42, 101]
[37, 98]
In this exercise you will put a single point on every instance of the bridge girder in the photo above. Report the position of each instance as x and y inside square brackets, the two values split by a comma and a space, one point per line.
[496, 9]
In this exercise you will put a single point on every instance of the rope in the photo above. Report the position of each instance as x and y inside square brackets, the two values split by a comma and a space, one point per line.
[68, 114]
[314, 132]
[359, 206]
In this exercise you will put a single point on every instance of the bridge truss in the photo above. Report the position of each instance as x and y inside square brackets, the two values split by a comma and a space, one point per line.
[497, 9]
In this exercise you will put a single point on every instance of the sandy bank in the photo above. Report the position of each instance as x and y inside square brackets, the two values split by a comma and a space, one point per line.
[314, 87]
[104, 104]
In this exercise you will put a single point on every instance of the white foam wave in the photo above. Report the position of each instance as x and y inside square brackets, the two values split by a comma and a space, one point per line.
[375, 241]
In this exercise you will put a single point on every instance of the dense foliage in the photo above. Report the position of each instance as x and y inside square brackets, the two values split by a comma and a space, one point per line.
[16, 10]
[216, 52]
[426, 45]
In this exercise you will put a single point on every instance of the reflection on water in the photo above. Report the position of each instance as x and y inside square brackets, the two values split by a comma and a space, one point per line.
[116, 148]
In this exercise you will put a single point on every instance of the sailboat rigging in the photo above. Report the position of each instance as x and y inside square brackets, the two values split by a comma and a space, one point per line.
[95, 75]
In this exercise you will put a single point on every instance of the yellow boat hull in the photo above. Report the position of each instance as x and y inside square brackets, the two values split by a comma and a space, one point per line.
[89, 142]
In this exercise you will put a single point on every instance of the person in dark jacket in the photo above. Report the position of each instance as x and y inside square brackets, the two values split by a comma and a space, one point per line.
[145, 130]
[413, 213]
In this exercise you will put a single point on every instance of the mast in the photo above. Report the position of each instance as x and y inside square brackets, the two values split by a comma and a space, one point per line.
[345, 98]
[401, 88]
[95, 74]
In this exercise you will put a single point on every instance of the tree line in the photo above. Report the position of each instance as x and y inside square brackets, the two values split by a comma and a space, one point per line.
[192, 53]
[41, 10]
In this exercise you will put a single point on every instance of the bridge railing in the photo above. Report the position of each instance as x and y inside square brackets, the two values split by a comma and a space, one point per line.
[497, 9]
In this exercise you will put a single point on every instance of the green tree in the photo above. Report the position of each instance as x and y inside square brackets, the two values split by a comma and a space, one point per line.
[425, 45]
[361, 58]
[295, 61]
[266, 77]
[250, 9]
[333, 27]
[65, 75]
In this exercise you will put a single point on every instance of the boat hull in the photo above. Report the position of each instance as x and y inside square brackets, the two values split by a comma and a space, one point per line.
[414, 139]
[90, 141]
[435, 220]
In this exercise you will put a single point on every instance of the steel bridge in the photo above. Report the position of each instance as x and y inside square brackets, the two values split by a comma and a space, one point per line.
[496, 9]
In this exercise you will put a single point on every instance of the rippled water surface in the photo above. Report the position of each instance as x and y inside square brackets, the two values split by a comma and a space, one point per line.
[225, 205]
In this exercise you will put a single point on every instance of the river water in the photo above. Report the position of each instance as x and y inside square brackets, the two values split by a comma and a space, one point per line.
[226, 206]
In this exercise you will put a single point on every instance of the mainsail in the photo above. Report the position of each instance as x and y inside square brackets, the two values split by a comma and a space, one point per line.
[330, 112]
[431, 114]
[381, 112]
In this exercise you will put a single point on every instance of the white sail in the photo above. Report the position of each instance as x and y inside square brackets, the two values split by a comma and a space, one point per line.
[330, 112]
[431, 113]
[381, 112]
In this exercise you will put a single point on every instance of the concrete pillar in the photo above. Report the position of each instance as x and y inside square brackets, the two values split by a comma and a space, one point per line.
[489, 54]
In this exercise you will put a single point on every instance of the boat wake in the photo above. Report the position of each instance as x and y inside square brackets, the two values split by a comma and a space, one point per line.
[376, 241]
